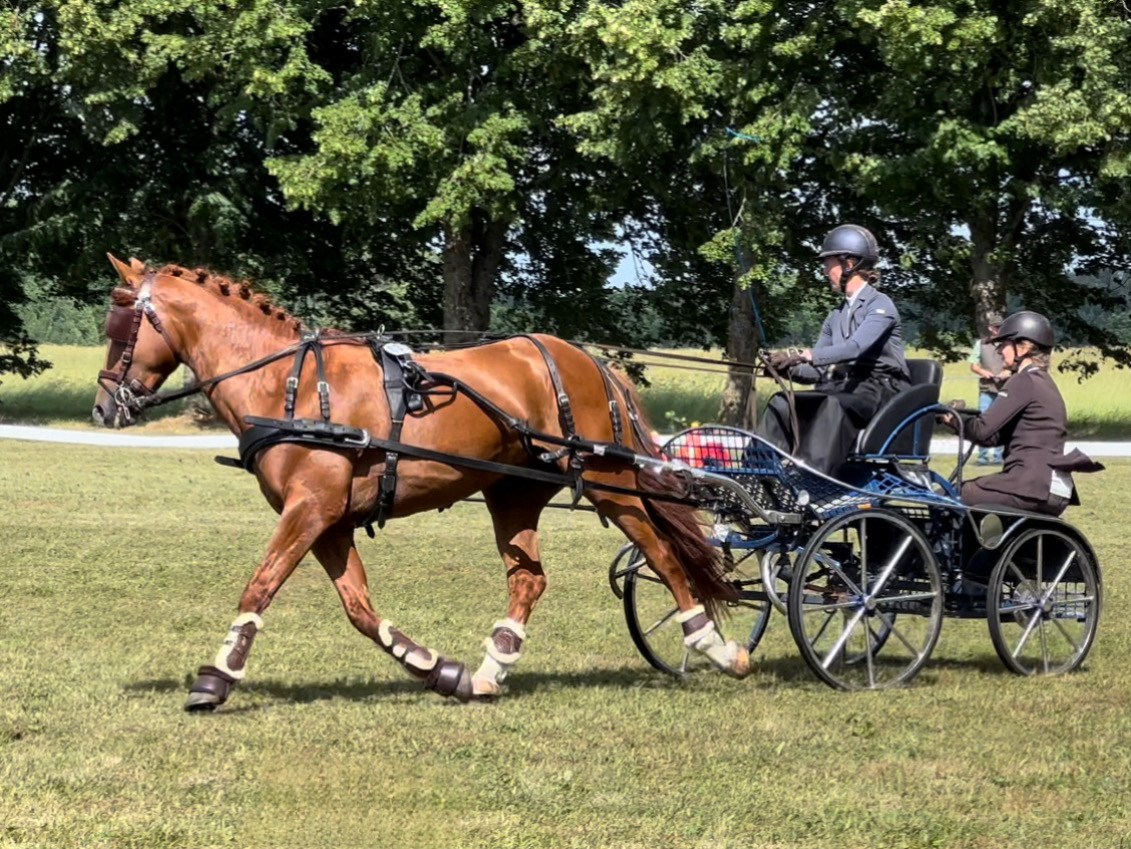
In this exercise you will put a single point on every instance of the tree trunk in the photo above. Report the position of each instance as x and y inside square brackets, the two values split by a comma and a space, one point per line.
[472, 255]
[739, 404]
[988, 284]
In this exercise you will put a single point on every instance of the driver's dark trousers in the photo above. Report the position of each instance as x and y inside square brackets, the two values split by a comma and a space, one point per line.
[830, 418]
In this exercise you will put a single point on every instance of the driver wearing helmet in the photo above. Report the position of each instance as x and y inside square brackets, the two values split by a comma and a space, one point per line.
[1029, 420]
[857, 363]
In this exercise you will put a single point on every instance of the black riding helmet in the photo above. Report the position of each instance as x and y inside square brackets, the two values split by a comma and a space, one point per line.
[854, 241]
[1026, 325]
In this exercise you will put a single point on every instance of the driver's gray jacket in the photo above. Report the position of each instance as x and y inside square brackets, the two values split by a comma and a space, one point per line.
[863, 337]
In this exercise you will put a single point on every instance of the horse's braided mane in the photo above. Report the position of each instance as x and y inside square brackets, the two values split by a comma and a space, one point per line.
[239, 288]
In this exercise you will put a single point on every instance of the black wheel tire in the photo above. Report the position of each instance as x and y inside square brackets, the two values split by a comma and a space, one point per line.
[1044, 601]
[866, 618]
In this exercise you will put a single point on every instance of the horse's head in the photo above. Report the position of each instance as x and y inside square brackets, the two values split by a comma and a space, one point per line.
[139, 356]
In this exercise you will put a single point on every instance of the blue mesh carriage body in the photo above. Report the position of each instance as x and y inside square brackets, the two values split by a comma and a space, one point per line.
[781, 483]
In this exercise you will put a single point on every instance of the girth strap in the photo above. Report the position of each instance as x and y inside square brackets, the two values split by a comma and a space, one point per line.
[396, 360]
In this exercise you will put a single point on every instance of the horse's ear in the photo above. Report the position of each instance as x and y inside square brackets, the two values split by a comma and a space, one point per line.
[131, 273]
[137, 265]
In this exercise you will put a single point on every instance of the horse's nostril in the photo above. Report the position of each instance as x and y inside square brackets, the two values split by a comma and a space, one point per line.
[98, 415]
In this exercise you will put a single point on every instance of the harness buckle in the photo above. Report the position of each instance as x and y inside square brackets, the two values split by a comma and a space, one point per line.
[360, 441]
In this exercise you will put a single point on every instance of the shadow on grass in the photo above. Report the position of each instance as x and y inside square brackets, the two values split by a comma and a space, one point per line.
[768, 674]
[520, 685]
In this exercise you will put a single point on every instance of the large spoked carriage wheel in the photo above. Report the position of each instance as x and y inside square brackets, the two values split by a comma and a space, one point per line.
[1044, 602]
[866, 600]
[651, 611]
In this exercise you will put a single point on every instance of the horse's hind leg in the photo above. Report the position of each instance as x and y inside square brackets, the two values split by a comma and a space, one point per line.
[337, 553]
[515, 507]
[700, 632]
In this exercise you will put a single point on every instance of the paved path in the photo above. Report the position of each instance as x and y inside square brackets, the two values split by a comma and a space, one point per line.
[940, 445]
[117, 438]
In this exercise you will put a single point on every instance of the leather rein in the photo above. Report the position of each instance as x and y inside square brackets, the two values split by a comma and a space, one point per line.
[132, 397]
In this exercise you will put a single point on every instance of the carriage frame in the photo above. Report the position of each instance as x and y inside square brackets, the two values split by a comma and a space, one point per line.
[866, 565]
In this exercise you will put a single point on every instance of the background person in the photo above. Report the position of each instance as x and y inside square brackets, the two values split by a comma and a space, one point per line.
[986, 362]
[857, 363]
[1030, 421]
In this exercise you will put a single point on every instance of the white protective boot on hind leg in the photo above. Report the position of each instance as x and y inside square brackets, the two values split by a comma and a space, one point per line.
[504, 647]
[700, 634]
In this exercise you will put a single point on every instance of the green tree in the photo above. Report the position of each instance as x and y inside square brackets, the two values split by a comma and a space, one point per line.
[990, 140]
[446, 119]
[124, 132]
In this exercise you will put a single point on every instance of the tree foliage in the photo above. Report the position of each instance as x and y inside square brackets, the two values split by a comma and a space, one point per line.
[418, 162]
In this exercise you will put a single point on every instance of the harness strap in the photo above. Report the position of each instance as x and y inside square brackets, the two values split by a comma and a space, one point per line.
[614, 408]
[311, 341]
[265, 432]
[391, 365]
[565, 410]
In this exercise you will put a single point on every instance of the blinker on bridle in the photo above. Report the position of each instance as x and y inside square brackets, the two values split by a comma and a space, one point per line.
[131, 397]
[123, 324]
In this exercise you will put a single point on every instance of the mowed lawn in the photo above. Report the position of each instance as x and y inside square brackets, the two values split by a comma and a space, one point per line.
[119, 574]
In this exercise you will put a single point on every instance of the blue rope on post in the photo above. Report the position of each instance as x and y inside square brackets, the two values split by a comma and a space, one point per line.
[737, 134]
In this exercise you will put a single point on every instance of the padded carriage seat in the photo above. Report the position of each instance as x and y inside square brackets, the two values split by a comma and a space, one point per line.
[914, 440]
[925, 371]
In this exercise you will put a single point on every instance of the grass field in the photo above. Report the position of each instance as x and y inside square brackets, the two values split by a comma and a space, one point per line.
[119, 576]
[1100, 408]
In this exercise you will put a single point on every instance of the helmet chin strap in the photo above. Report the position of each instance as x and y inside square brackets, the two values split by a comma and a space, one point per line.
[847, 271]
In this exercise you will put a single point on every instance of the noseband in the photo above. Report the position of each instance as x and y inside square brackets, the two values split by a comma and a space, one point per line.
[123, 324]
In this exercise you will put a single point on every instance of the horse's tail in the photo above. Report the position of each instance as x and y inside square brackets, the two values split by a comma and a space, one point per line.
[700, 560]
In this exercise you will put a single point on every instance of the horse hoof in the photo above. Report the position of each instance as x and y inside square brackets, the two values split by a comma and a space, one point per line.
[202, 703]
[210, 690]
[485, 689]
[740, 665]
[450, 678]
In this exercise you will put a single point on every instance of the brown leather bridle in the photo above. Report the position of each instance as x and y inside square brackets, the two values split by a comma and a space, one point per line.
[129, 395]
[123, 325]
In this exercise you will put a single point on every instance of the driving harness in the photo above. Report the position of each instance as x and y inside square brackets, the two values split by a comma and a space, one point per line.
[407, 385]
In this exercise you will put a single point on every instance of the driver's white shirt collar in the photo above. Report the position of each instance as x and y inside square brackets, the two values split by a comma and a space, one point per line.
[851, 299]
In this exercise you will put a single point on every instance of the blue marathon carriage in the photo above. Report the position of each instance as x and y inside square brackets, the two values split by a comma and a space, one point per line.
[867, 565]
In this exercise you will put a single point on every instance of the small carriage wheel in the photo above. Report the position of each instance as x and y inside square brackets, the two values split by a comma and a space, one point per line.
[866, 600]
[1044, 602]
[651, 612]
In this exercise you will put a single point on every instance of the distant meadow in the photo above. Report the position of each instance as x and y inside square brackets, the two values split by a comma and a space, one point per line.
[1098, 408]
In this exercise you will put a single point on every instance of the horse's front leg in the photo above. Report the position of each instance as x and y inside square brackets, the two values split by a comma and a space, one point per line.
[304, 518]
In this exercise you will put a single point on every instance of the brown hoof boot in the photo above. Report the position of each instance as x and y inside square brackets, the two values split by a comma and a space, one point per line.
[450, 678]
[210, 690]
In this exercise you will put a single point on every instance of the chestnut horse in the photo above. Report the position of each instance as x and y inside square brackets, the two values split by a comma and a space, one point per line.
[323, 492]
